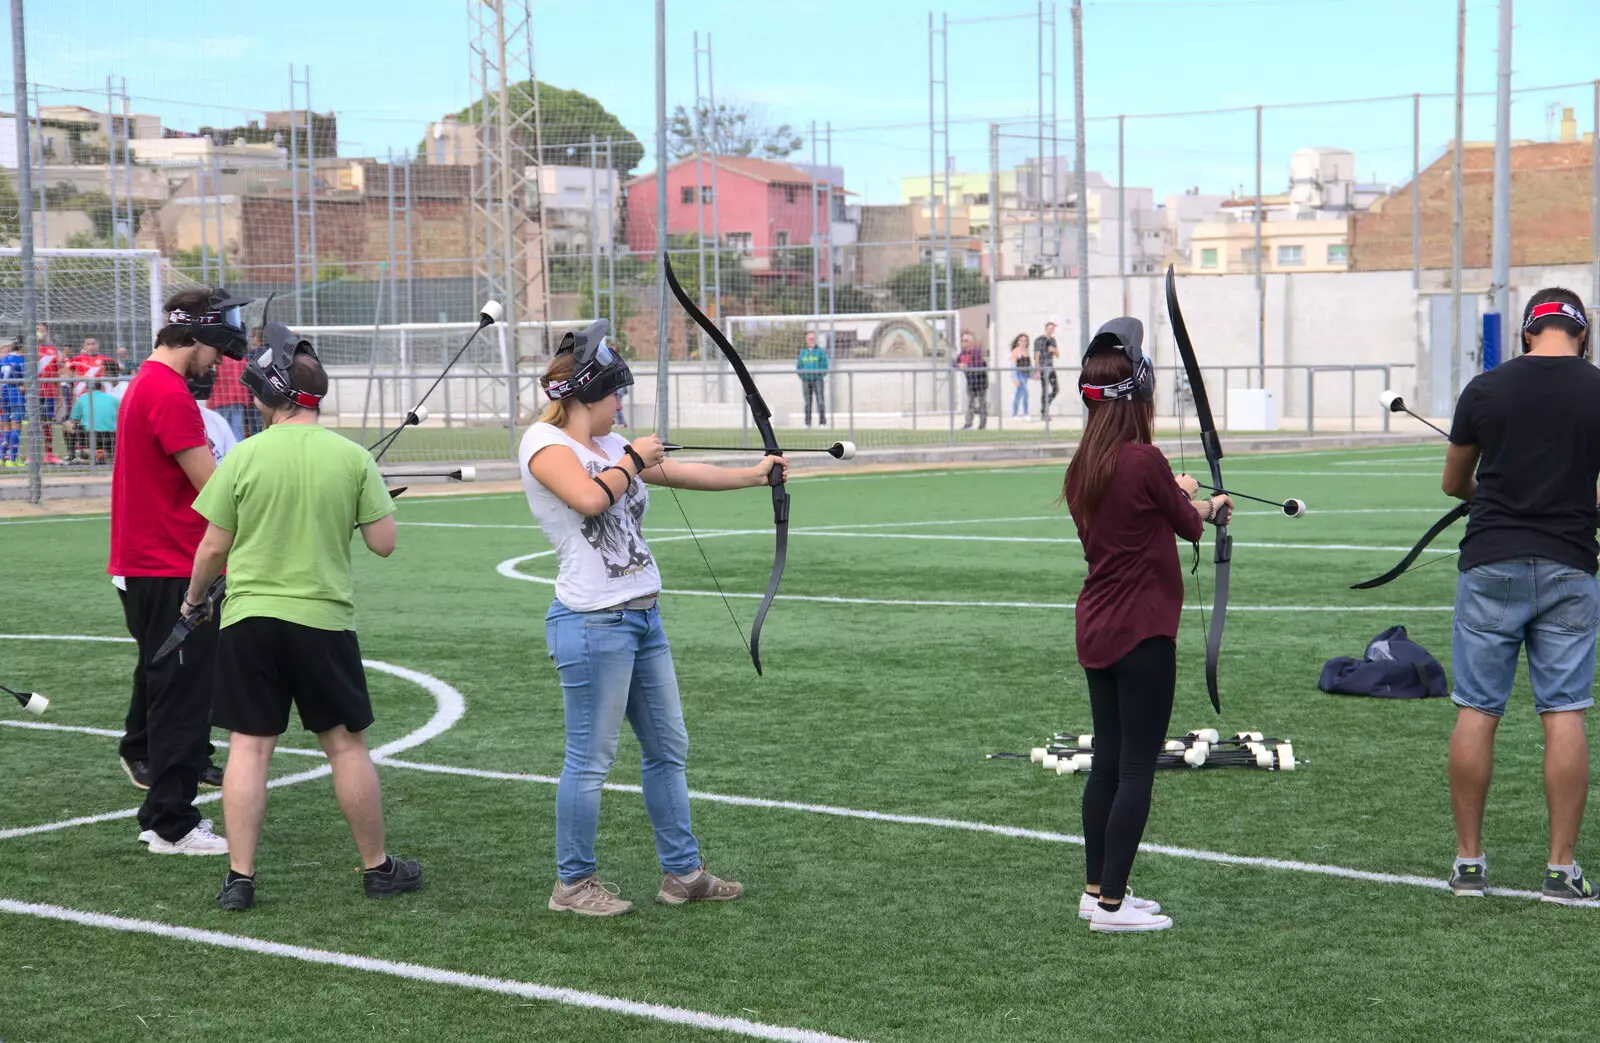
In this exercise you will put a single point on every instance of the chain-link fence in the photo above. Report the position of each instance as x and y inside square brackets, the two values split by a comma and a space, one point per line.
[881, 234]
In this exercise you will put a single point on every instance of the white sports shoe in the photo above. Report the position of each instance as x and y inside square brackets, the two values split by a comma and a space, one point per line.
[1127, 918]
[198, 841]
[1088, 904]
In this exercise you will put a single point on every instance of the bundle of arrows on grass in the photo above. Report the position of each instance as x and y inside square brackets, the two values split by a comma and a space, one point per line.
[1070, 753]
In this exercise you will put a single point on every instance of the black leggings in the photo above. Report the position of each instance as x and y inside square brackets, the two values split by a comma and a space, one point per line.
[1132, 705]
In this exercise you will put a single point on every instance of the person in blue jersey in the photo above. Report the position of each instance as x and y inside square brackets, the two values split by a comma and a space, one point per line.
[13, 405]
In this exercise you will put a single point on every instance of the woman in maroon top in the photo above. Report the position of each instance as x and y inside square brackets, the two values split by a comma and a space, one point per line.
[1128, 507]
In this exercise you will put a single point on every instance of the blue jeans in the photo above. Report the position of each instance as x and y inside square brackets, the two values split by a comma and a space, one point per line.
[1550, 608]
[234, 415]
[614, 664]
[1020, 396]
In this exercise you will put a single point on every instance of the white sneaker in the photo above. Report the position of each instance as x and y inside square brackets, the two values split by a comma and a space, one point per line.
[198, 841]
[1088, 904]
[1126, 919]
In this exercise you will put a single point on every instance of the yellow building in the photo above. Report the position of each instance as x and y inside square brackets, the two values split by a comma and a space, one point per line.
[1228, 246]
[969, 200]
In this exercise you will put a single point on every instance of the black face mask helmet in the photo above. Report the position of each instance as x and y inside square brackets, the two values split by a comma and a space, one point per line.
[1126, 335]
[269, 371]
[201, 387]
[220, 325]
[598, 371]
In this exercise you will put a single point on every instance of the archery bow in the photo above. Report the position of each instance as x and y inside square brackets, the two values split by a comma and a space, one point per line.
[1454, 515]
[762, 417]
[1213, 451]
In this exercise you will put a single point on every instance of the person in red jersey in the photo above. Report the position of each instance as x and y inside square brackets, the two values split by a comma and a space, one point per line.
[1128, 508]
[49, 389]
[163, 460]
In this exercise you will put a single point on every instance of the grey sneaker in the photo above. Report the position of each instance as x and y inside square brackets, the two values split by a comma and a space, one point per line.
[699, 886]
[1468, 880]
[588, 897]
[237, 896]
[1562, 889]
[401, 876]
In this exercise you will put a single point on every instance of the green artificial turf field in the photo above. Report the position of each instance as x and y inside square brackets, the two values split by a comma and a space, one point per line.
[900, 886]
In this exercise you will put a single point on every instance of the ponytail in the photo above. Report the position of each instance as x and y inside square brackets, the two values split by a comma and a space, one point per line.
[560, 368]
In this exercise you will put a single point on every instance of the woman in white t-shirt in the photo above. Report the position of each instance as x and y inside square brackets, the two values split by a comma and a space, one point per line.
[585, 486]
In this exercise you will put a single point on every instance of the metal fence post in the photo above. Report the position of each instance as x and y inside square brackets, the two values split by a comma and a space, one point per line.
[1388, 382]
[1311, 401]
[850, 389]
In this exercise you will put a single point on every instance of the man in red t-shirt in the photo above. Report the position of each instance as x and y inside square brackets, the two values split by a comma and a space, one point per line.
[164, 459]
[49, 389]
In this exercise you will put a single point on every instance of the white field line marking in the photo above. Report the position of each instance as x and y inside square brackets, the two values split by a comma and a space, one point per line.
[58, 518]
[1016, 832]
[509, 569]
[448, 709]
[1068, 539]
[430, 975]
[110, 733]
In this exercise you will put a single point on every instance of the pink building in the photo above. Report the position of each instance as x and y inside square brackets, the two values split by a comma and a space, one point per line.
[763, 206]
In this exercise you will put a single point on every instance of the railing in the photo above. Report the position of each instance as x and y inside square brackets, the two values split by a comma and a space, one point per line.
[480, 413]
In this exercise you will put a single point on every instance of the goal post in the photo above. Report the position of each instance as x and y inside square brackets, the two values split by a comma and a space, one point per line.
[114, 295]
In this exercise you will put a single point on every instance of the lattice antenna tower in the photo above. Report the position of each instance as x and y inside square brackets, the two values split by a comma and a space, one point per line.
[705, 107]
[509, 257]
[302, 190]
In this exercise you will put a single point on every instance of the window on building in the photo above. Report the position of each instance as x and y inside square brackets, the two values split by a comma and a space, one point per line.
[1247, 255]
[686, 195]
[1208, 257]
[1338, 253]
[705, 193]
[783, 239]
[788, 193]
[1289, 255]
[981, 199]
[741, 243]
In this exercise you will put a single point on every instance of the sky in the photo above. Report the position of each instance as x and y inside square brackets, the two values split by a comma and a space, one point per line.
[388, 68]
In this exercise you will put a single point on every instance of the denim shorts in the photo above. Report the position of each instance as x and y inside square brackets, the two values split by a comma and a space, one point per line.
[1551, 609]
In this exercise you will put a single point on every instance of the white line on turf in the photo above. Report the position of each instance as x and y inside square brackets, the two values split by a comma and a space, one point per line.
[448, 709]
[509, 569]
[431, 975]
[1014, 832]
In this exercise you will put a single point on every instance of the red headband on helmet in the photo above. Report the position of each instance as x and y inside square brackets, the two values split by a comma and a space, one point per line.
[1559, 309]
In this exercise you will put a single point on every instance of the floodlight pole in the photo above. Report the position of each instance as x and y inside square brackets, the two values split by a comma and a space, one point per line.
[19, 69]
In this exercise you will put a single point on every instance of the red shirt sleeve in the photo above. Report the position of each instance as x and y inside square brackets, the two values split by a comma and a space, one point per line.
[176, 422]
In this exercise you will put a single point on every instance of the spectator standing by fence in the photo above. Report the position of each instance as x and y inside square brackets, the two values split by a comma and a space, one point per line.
[230, 398]
[1022, 372]
[1044, 355]
[972, 362]
[13, 404]
[812, 365]
[49, 390]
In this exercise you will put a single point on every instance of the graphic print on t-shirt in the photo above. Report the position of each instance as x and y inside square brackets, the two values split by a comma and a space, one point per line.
[618, 536]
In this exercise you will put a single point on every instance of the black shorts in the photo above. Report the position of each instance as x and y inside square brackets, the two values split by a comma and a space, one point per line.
[264, 664]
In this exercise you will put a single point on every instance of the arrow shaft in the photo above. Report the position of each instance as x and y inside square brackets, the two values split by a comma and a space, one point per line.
[673, 447]
[1242, 496]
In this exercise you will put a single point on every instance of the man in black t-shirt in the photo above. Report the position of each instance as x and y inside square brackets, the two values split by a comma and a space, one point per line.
[1044, 360]
[1525, 451]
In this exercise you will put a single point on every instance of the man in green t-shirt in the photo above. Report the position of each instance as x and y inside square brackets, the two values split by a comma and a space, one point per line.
[281, 508]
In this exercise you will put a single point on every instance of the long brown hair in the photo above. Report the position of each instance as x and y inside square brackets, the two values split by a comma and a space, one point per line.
[1110, 426]
[560, 368]
[1023, 337]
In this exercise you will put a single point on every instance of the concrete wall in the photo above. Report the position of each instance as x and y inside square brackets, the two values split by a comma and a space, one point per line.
[1313, 319]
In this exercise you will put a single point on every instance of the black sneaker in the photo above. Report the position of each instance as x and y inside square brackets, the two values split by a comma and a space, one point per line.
[402, 875]
[237, 896]
[211, 776]
[1562, 889]
[1468, 880]
[138, 772]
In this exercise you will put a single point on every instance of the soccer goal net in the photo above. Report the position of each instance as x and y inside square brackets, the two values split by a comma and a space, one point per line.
[114, 296]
